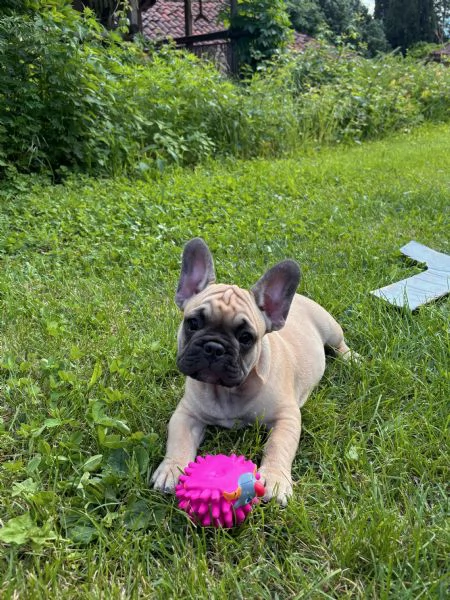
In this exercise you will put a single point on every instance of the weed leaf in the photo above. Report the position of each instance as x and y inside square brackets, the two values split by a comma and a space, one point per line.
[22, 529]
[96, 374]
[93, 463]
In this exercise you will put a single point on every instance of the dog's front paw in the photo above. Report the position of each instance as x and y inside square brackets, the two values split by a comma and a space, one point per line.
[165, 478]
[278, 484]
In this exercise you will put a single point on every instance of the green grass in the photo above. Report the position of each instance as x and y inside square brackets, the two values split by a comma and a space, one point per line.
[88, 380]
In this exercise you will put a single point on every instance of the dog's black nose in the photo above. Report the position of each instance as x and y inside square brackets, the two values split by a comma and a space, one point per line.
[213, 349]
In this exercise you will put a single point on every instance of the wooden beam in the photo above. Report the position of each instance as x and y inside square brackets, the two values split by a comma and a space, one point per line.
[187, 18]
[234, 55]
[135, 17]
[222, 35]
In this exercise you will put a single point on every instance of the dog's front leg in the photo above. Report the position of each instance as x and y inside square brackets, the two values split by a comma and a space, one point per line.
[278, 456]
[184, 437]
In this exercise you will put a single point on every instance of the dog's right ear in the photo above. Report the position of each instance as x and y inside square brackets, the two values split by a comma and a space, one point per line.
[197, 271]
[275, 291]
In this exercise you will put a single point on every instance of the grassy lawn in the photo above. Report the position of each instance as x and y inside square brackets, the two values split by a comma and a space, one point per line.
[88, 380]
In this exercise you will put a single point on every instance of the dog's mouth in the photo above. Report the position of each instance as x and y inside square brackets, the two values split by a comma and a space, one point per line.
[212, 378]
[227, 373]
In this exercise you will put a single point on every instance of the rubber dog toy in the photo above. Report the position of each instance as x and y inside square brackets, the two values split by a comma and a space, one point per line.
[219, 490]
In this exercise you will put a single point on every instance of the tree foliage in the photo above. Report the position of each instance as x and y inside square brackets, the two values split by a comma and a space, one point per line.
[407, 22]
[8, 7]
[339, 19]
[265, 30]
[410, 21]
[442, 10]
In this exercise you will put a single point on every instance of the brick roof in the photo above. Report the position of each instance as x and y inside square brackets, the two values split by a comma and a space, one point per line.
[301, 40]
[166, 18]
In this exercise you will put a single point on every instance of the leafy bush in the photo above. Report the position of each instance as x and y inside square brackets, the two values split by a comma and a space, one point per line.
[422, 50]
[265, 30]
[59, 82]
[74, 97]
[8, 7]
[342, 96]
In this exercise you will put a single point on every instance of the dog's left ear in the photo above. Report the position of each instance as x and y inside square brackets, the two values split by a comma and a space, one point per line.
[197, 271]
[274, 293]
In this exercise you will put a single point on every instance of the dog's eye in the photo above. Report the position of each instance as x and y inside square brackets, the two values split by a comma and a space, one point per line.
[193, 324]
[245, 338]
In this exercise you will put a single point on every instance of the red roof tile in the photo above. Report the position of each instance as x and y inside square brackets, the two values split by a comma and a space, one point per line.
[301, 40]
[166, 18]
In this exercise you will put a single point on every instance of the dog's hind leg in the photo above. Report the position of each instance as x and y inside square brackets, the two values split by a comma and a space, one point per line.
[345, 352]
[335, 341]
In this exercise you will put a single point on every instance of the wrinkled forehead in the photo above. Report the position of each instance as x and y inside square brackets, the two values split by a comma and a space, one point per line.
[226, 304]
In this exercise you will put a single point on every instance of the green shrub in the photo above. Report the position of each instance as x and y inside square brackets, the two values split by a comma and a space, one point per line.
[342, 96]
[58, 85]
[73, 97]
[265, 30]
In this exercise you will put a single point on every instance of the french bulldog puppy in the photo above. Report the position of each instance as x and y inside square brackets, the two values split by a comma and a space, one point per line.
[248, 355]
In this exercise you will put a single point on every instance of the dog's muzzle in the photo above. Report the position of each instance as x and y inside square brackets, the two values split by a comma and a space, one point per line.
[211, 361]
[213, 350]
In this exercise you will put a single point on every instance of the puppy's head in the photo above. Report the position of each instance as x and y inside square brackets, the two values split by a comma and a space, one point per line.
[219, 340]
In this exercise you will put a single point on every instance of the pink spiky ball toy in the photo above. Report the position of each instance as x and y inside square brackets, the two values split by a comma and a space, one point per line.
[219, 491]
